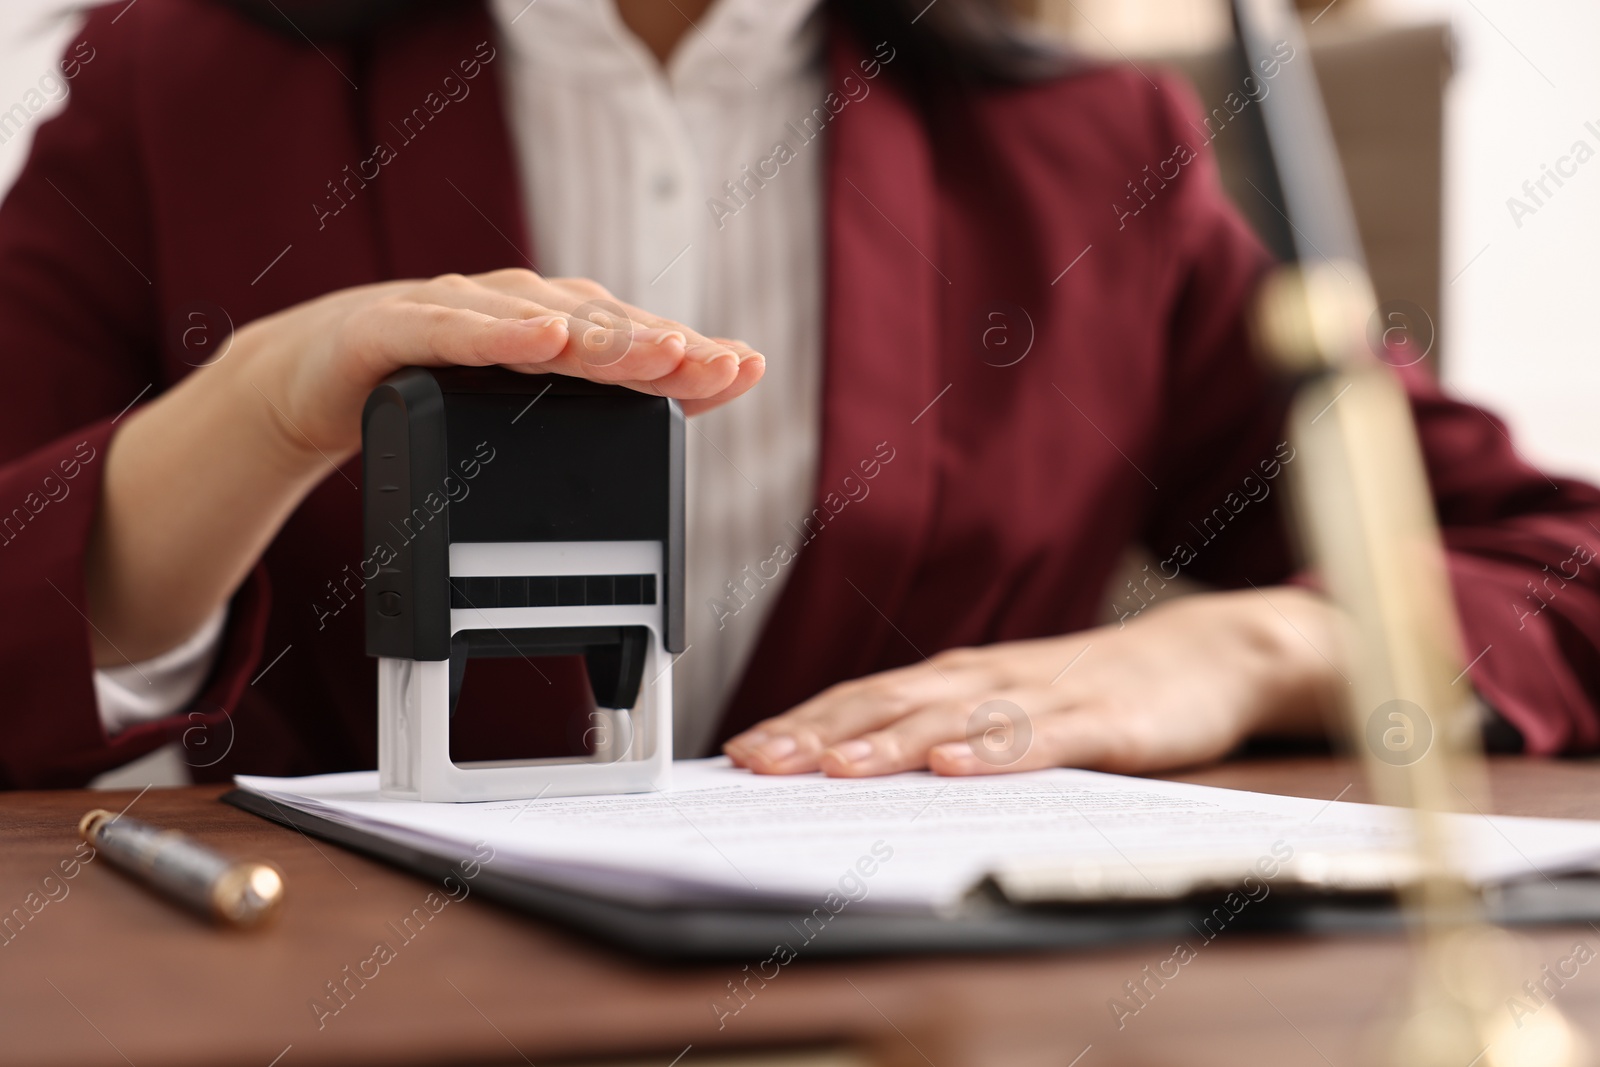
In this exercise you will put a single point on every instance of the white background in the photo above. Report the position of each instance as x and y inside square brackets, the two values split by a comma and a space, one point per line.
[1522, 315]
[1521, 305]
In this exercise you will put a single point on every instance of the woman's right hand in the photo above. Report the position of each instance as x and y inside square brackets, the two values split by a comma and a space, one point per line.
[199, 481]
[316, 362]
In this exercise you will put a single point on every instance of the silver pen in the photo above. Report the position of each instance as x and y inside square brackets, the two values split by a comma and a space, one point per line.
[235, 892]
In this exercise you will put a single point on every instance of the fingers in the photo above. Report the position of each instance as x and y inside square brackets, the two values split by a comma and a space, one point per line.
[902, 746]
[587, 301]
[457, 291]
[1096, 736]
[662, 357]
[620, 344]
[399, 333]
[988, 733]
[1153, 698]
[565, 326]
[1068, 738]
[600, 347]
[792, 742]
[582, 298]
[991, 733]
[750, 370]
[403, 333]
[861, 729]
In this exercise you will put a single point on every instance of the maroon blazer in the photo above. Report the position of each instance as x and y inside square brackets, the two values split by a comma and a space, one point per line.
[195, 170]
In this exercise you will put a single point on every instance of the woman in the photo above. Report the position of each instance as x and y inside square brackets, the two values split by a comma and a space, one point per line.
[1001, 306]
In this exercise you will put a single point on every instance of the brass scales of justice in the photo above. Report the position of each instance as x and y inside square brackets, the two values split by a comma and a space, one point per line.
[1365, 518]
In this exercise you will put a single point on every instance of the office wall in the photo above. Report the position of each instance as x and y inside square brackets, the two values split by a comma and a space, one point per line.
[1522, 288]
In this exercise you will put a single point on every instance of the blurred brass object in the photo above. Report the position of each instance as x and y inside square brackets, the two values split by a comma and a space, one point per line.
[1365, 516]
[1367, 519]
[1313, 317]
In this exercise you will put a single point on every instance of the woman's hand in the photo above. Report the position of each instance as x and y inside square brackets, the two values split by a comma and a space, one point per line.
[198, 482]
[1183, 684]
[316, 362]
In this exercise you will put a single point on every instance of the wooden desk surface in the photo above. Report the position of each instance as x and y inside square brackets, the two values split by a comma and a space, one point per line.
[107, 974]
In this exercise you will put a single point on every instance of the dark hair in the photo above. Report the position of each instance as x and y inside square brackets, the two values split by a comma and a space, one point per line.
[940, 44]
[952, 44]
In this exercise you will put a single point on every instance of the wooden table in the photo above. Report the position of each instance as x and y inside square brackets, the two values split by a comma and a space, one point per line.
[107, 974]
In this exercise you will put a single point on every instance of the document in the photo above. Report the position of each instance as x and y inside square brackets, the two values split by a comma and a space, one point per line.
[721, 836]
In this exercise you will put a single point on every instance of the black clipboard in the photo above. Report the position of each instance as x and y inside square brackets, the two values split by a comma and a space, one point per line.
[985, 923]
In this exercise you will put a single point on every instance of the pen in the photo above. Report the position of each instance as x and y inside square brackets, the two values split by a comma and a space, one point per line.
[235, 892]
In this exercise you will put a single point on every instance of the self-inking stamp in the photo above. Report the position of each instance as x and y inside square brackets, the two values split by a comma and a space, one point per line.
[522, 515]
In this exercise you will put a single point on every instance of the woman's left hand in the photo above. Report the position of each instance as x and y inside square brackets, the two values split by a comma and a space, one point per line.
[1184, 683]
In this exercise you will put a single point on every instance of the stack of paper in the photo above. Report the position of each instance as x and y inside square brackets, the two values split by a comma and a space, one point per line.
[919, 843]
